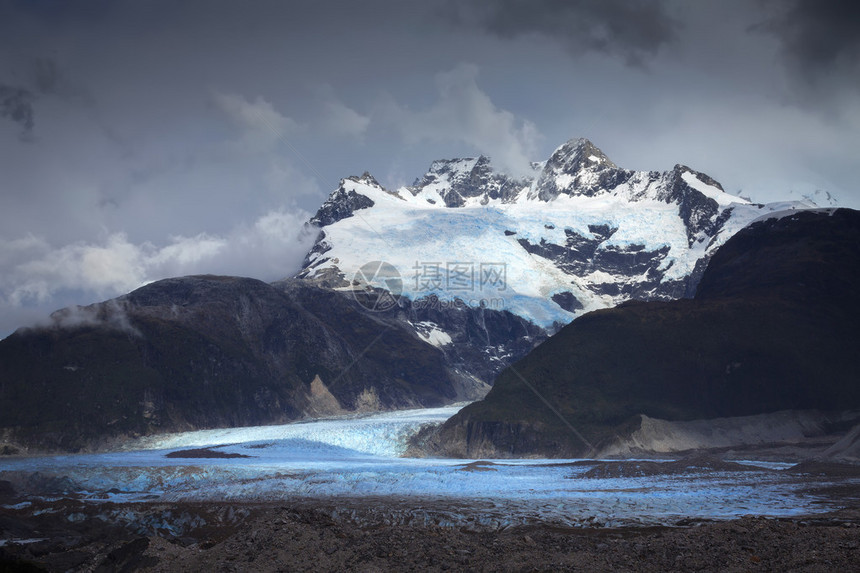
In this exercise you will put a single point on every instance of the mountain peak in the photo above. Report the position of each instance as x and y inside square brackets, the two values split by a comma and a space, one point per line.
[456, 181]
[577, 167]
[344, 201]
[453, 167]
[610, 234]
[365, 179]
[579, 153]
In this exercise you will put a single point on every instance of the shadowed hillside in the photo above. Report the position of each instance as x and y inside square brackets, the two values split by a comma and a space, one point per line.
[204, 352]
[773, 326]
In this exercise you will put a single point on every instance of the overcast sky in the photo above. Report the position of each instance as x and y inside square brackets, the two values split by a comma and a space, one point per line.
[146, 139]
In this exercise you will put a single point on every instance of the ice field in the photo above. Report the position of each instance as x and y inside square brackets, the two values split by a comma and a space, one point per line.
[358, 458]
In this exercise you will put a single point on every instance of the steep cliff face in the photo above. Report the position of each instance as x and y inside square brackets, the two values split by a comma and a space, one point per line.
[773, 327]
[202, 352]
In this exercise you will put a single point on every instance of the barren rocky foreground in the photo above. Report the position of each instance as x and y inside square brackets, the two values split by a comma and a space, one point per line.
[383, 534]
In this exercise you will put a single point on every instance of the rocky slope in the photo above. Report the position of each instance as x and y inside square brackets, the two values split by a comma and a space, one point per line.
[772, 328]
[344, 535]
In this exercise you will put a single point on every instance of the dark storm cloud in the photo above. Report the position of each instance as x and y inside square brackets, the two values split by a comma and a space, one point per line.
[63, 10]
[179, 137]
[16, 104]
[632, 30]
[46, 75]
[819, 37]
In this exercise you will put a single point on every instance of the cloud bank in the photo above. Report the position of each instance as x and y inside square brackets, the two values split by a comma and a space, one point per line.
[464, 113]
[35, 273]
[634, 31]
[819, 37]
[141, 140]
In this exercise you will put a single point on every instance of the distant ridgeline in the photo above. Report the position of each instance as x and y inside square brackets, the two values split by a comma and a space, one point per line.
[481, 267]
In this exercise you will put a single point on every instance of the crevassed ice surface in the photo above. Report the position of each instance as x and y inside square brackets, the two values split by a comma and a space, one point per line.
[410, 233]
[358, 458]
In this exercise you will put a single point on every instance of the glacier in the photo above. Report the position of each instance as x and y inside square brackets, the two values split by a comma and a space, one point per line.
[579, 227]
[357, 458]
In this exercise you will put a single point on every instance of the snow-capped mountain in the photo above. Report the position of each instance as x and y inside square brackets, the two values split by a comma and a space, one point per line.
[578, 235]
[418, 296]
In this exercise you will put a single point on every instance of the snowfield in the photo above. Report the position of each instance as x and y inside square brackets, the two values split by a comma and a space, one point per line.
[479, 243]
[358, 457]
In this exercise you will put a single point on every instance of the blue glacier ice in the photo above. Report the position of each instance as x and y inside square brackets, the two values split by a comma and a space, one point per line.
[360, 457]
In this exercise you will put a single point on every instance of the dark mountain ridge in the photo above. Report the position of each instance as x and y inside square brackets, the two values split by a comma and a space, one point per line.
[205, 352]
[773, 327]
